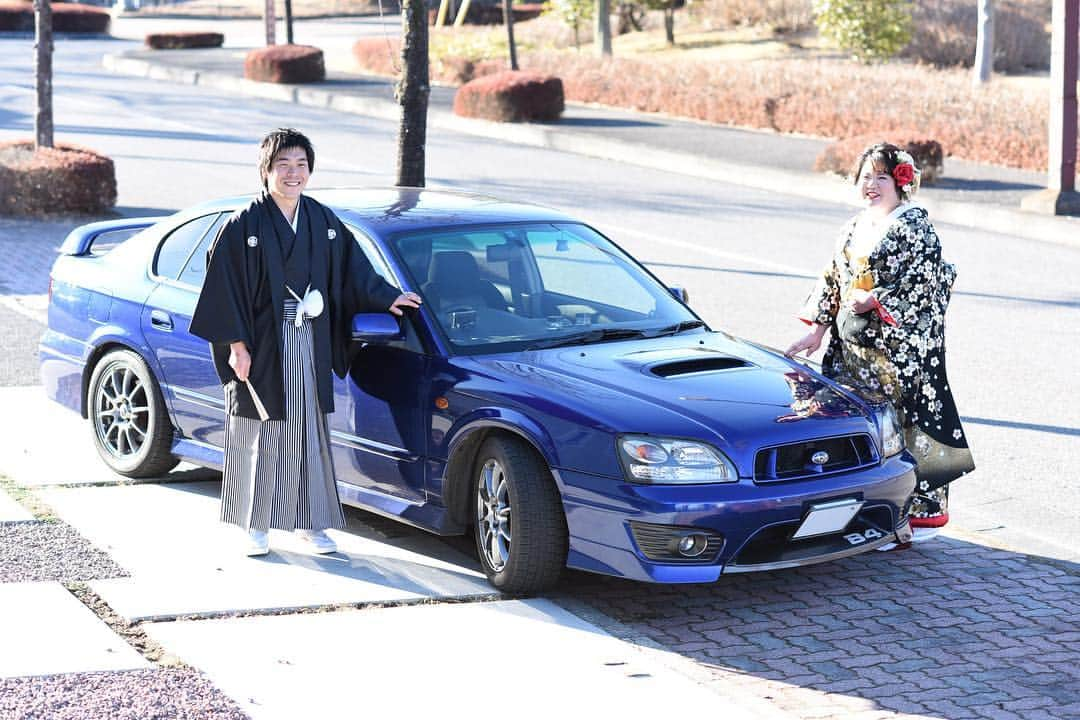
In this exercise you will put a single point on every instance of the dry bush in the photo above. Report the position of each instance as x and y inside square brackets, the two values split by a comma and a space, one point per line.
[378, 55]
[1003, 125]
[66, 18]
[285, 64]
[511, 96]
[60, 180]
[383, 57]
[184, 40]
[780, 15]
[840, 157]
[944, 34]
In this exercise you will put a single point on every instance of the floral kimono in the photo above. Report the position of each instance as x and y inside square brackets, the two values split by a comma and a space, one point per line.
[897, 350]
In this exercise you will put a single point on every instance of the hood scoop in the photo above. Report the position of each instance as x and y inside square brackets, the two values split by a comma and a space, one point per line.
[696, 365]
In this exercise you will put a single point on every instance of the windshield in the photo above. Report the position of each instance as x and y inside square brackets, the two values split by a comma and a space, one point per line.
[497, 288]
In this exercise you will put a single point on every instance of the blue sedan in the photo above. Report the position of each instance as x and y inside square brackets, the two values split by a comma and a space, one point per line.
[551, 396]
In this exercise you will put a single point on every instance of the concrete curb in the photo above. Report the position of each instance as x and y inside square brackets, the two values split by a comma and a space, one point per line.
[980, 216]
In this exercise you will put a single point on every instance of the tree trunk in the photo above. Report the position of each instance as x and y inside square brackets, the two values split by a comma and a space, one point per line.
[508, 17]
[43, 46]
[984, 43]
[669, 25]
[412, 93]
[602, 28]
[288, 22]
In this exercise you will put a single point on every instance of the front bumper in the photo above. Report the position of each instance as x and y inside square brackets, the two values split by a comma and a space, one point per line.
[755, 522]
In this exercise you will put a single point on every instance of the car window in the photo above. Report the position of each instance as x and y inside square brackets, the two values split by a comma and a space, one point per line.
[176, 248]
[501, 287]
[572, 266]
[372, 254]
[195, 271]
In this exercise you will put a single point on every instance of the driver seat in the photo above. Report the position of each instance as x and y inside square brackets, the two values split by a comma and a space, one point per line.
[454, 280]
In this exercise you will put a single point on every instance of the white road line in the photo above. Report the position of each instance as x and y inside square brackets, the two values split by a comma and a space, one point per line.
[616, 230]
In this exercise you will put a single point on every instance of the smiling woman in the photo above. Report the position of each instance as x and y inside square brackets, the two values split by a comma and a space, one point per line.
[882, 299]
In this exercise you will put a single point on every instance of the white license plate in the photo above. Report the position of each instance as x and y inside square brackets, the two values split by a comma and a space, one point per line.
[826, 518]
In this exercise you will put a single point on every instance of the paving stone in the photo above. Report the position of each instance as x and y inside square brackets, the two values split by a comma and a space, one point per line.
[11, 511]
[31, 458]
[46, 630]
[183, 562]
[544, 654]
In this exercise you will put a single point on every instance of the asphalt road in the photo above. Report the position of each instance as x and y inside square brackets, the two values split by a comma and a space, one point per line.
[747, 256]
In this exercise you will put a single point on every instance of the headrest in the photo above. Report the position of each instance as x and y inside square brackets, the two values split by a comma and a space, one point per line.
[454, 269]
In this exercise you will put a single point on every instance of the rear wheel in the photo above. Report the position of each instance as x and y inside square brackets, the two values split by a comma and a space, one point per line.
[519, 523]
[132, 431]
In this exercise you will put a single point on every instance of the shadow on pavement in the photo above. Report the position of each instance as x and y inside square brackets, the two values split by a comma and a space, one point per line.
[949, 629]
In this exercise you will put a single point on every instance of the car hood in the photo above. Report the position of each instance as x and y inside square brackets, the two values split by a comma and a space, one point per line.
[706, 385]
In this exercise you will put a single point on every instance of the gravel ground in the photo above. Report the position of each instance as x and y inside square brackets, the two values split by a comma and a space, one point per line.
[43, 551]
[156, 694]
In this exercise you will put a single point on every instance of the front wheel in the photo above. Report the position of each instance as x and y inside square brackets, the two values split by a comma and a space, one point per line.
[132, 431]
[519, 525]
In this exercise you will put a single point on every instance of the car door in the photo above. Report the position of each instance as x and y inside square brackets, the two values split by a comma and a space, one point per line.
[190, 384]
[382, 413]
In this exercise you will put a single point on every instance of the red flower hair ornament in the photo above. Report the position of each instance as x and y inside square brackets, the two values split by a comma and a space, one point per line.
[903, 174]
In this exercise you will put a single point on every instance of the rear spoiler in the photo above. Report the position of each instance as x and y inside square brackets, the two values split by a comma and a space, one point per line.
[81, 239]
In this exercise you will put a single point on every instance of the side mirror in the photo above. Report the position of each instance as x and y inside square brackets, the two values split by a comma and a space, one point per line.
[681, 294]
[375, 328]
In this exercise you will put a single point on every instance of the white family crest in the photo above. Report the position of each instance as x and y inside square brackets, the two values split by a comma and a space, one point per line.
[252, 241]
[331, 233]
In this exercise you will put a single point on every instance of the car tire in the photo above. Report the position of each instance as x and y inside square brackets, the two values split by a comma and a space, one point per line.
[519, 523]
[132, 430]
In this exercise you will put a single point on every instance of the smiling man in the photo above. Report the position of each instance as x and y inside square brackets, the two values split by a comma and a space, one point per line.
[283, 280]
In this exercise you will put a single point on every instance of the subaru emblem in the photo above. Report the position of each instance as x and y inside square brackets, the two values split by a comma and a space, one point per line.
[820, 457]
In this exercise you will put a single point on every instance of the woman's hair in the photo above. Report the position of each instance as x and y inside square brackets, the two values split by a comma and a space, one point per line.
[886, 156]
[283, 139]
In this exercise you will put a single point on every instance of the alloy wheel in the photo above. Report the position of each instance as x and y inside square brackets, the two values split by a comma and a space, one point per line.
[121, 411]
[493, 514]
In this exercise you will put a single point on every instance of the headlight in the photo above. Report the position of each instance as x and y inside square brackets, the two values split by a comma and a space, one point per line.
[667, 461]
[892, 438]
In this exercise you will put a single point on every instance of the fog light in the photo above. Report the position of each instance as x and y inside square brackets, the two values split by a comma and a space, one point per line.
[692, 545]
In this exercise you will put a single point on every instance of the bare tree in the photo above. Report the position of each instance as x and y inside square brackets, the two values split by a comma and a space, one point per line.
[508, 17]
[602, 28]
[43, 47]
[412, 93]
[984, 43]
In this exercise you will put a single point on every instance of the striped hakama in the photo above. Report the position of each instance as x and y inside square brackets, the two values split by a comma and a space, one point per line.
[279, 473]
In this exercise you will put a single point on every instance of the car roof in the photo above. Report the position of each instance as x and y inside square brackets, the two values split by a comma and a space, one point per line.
[382, 211]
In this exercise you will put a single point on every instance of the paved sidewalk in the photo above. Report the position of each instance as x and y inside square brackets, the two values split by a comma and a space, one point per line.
[980, 196]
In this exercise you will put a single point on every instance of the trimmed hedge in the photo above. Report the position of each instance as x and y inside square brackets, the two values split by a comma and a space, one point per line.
[66, 18]
[841, 156]
[59, 180]
[285, 64]
[184, 40]
[511, 96]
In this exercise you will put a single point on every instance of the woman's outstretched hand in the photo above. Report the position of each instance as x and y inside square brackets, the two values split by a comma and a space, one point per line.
[809, 343]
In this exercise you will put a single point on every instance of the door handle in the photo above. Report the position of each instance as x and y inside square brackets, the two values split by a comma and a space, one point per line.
[161, 320]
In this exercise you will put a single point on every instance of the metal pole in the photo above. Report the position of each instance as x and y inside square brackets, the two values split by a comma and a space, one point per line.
[288, 22]
[1063, 59]
[270, 21]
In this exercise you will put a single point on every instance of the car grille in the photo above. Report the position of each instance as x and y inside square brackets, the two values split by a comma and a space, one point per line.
[794, 461]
